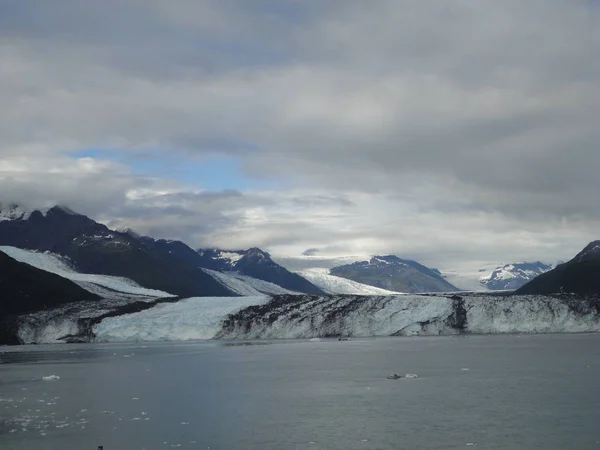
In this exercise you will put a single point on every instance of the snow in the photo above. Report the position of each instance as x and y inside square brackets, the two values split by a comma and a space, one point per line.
[245, 285]
[193, 318]
[232, 257]
[103, 285]
[17, 212]
[513, 276]
[331, 284]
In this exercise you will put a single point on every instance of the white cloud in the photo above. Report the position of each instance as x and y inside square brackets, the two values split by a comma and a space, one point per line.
[455, 131]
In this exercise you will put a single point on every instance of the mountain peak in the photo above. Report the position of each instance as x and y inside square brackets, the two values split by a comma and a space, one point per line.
[514, 275]
[394, 274]
[591, 251]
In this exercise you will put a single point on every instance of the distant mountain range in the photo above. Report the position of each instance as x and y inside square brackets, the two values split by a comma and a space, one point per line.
[394, 274]
[165, 265]
[513, 276]
[581, 275]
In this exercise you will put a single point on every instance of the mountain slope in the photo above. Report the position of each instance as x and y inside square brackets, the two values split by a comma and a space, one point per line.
[394, 274]
[338, 285]
[106, 286]
[245, 285]
[581, 275]
[95, 249]
[25, 288]
[513, 276]
[257, 264]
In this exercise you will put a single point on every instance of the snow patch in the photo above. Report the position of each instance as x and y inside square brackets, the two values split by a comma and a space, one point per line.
[18, 212]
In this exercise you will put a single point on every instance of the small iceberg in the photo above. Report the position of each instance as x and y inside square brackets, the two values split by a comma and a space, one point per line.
[51, 378]
[395, 376]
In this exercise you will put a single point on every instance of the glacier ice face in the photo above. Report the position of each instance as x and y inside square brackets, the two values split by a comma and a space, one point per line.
[103, 285]
[193, 318]
[307, 317]
[331, 284]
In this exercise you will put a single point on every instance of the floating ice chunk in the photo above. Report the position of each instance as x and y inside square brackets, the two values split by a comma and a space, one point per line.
[51, 378]
[471, 444]
[135, 398]
[136, 418]
[465, 369]
[315, 340]
[185, 423]
[395, 376]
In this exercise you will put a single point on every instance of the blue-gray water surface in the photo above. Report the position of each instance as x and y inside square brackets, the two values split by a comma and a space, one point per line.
[492, 392]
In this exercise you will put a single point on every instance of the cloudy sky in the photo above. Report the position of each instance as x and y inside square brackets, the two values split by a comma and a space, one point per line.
[456, 132]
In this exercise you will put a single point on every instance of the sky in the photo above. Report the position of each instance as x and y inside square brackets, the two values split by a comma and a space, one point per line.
[456, 132]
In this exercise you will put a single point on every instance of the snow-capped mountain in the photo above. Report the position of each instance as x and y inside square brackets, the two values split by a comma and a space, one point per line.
[337, 285]
[579, 275]
[157, 264]
[513, 276]
[95, 249]
[394, 274]
[257, 264]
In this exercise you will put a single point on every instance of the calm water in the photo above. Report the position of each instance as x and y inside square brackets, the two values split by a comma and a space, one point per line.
[519, 392]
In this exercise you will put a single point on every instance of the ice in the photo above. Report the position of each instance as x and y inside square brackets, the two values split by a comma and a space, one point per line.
[337, 285]
[51, 378]
[193, 318]
[103, 285]
[408, 315]
[411, 375]
[245, 285]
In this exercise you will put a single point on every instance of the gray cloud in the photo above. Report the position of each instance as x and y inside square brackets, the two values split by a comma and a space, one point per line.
[450, 129]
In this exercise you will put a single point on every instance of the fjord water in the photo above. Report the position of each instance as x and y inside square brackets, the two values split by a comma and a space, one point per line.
[519, 392]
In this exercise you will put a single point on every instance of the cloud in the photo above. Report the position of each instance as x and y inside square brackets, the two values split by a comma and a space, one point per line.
[446, 130]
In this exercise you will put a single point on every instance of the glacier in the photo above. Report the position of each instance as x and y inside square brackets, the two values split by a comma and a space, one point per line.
[293, 316]
[332, 284]
[409, 315]
[106, 286]
[245, 285]
[306, 317]
[192, 318]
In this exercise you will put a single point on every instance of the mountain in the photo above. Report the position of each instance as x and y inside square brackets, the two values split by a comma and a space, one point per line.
[166, 265]
[105, 286]
[394, 274]
[95, 249]
[338, 285]
[513, 276]
[581, 275]
[26, 289]
[257, 264]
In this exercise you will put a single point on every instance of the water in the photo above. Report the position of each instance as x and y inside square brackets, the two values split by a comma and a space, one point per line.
[519, 392]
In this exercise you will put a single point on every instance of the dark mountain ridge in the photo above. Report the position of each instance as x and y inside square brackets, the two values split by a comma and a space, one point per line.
[167, 265]
[580, 275]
